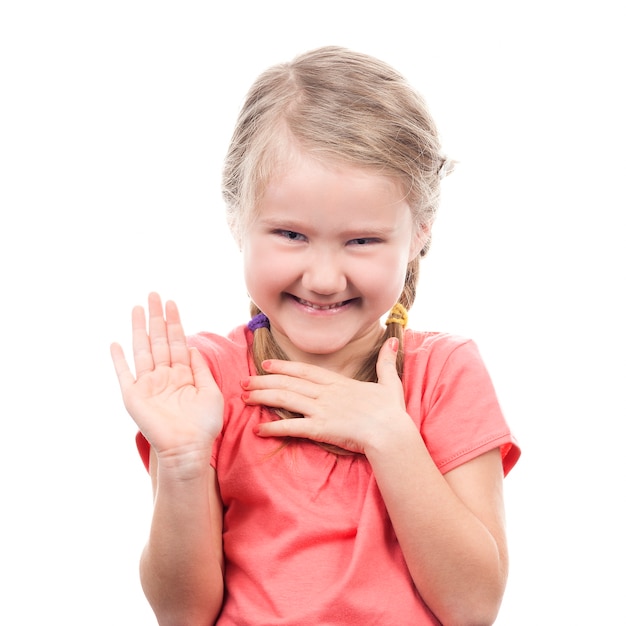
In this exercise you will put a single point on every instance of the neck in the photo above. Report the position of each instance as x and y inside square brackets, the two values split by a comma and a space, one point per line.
[347, 361]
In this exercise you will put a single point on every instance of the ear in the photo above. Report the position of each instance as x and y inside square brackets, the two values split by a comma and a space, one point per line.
[421, 235]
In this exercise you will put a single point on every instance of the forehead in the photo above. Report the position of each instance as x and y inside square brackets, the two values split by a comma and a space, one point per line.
[290, 164]
[330, 197]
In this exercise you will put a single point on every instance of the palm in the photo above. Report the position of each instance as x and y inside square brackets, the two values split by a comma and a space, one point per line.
[173, 399]
[168, 393]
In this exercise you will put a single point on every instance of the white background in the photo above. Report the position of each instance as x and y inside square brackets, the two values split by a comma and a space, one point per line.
[114, 120]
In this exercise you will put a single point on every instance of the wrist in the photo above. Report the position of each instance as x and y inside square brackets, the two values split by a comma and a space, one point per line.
[185, 462]
[399, 432]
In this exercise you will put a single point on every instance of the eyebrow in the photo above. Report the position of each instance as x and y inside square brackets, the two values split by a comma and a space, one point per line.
[289, 223]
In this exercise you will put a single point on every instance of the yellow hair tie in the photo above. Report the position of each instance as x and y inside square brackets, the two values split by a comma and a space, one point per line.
[398, 315]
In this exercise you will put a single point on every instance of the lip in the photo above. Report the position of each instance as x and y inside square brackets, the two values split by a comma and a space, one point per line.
[323, 308]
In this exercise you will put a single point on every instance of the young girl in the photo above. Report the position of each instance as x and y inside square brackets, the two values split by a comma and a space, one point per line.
[318, 466]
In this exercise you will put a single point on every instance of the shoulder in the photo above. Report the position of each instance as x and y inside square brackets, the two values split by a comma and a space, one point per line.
[224, 354]
[433, 359]
[237, 339]
[448, 386]
[436, 358]
[435, 349]
[430, 340]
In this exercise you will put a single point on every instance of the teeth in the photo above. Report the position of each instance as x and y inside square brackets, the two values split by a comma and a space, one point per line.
[318, 307]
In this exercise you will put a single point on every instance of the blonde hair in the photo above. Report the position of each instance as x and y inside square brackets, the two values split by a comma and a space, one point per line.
[347, 107]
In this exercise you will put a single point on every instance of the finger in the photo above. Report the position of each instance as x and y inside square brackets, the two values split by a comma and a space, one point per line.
[158, 331]
[142, 351]
[296, 369]
[386, 363]
[179, 353]
[281, 381]
[296, 427]
[124, 375]
[281, 399]
[305, 428]
[202, 376]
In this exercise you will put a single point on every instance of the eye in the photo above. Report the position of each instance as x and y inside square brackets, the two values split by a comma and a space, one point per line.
[291, 235]
[363, 241]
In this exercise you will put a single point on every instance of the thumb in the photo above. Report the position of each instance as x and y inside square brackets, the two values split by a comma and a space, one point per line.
[386, 364]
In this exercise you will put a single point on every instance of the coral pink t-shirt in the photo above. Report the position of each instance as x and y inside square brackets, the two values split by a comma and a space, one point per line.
[307, 538]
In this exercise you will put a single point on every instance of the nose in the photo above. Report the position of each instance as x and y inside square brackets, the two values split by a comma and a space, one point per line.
[324, 273]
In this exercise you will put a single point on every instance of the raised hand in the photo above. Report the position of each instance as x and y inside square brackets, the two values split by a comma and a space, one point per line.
[172, 397]
[351, 414]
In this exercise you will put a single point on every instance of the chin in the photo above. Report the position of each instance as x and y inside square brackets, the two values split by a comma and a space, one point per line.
[325, 346]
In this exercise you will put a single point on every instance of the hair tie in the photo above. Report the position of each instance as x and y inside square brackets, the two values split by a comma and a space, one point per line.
[259, 321]
[445, 168]
[398, 315]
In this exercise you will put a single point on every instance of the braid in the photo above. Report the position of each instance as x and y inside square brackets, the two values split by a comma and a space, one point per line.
[395, 325]
[264, 347]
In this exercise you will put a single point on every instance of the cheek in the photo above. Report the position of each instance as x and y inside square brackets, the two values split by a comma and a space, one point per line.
[383, 276]
[263, 271]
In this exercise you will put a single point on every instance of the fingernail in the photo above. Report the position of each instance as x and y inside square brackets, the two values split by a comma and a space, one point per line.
[245, 396]
[245, 382]
[394, 344]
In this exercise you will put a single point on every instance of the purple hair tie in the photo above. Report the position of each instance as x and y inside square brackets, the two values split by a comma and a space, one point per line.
[258, 321]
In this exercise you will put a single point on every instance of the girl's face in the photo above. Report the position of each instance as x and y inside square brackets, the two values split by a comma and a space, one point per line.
[325, 258]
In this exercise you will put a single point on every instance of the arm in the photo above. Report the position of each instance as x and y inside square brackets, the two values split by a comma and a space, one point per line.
[177, 405]
[182, 564]
[450, 529]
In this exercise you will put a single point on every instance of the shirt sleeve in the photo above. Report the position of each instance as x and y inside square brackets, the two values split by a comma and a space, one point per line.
[460, 414]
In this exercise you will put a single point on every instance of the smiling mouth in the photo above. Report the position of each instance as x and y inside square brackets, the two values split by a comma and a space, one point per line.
[320, 307]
